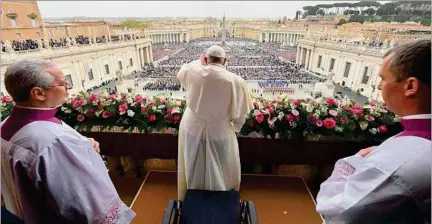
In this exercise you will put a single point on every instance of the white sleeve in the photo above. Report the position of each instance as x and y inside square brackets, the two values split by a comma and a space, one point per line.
[353, 185]
[181, 75]
[241, 104]
[78, 184]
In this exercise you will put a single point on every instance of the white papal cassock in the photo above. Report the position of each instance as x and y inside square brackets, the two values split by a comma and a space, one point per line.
[217, 105]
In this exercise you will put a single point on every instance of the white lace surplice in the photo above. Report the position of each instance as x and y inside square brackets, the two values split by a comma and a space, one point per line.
[61, 178]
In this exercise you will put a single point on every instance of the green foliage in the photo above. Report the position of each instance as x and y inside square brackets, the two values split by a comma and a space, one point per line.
[134, 24]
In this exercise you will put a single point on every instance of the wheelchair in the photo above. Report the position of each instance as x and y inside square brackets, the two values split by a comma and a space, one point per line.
[210, 207]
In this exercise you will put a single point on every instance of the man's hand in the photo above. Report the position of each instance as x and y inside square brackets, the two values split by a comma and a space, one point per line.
[95, 144]
[366, 151]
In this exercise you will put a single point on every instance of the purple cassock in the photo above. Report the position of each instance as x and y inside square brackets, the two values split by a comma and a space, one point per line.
[390, 185]
[53, 173]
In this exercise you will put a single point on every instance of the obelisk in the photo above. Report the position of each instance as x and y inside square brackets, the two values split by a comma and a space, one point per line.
[223, 30]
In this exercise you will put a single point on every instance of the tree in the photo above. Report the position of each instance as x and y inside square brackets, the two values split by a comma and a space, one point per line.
[133, 24]
[320, 12]
[342, 21]
[369, 11]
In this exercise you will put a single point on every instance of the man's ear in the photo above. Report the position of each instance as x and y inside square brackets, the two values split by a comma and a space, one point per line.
[37, 93]
[411, 86]
[206, 60]
[224, 61]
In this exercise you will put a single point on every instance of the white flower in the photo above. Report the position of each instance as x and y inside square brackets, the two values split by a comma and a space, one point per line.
[161, 106]
[63, 109]
[153, 108]
[178, 103]
[338, 129]
[280, 117]
[373, 131]
[309, 108]
[130, 113]
[95, 103]
[68, 111]
[396, 119]
[129, 100]
[317, 113]
[175, 110]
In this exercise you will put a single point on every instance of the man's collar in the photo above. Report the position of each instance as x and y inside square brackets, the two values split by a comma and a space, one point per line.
[34, 108]
[418, 116]
[215, 64]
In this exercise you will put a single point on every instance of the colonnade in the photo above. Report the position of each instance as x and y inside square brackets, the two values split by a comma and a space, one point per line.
[279, 37]
[169, 37]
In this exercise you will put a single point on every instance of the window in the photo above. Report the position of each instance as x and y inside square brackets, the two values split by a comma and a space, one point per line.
[130, 62]
[107, 71]
[90, 74]
[319, 61]
[347, 69]
[34, 22]
[69, 79]
[332, 62]
[18, 35]
[13, 21]
[365, 78]
[120, 65]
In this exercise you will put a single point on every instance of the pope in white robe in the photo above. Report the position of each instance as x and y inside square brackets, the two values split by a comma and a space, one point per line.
[218, 103]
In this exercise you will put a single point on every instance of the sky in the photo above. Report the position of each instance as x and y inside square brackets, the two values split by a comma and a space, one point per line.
[243, 9]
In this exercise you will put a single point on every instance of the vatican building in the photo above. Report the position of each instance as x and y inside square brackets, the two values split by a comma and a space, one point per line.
[310, 95]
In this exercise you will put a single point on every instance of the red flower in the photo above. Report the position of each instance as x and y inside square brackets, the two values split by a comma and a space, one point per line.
[296, 102]
[358, 107]
[6, 99]
[106, 114]
[373, 103]
[319, 123]
[80, 117]
[289, 117]
[77, 103]
[312, 118]
[176, 117]
[329, 123]
[123, 108]
[331, 101]
[382, 129]
[270, 110]
[259, 118]
[169, 110]
[158, 100]
[152, 118]
[343, 119]
[94, 98]
[164, 101]
[170, 118]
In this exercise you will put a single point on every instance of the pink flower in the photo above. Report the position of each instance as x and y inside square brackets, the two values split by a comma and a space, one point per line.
[382, 129]
[6, 99]
[106, 114]
[164, 101]
[373, 103]
[295, 113]
[80, 118]
[296, 102]
[357, 106]
[176, 117]
[259, 118]
[357, 112]
[343, 119]
[369, 118]
[313, 102]
[113, 97]
[123, 108]
[152, 118]
[139, 98]
[329, 123]
[331, 101]
[333, 113]
[77, 103]
[94, 98]
[158, 100]
[289, 117]
[319, 123]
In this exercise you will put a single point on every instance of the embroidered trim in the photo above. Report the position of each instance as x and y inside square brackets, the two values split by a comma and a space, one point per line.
[113, 213]
[344, 168]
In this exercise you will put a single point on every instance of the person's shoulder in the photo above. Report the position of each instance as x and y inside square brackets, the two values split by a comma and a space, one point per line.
[397, 151]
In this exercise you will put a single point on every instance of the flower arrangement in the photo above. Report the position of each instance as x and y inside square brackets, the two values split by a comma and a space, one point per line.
[281, 118]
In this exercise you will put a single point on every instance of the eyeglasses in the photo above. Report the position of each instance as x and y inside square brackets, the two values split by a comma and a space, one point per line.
[66, 84]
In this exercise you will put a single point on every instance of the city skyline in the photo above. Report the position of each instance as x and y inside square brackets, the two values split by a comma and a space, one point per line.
[196, 9]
